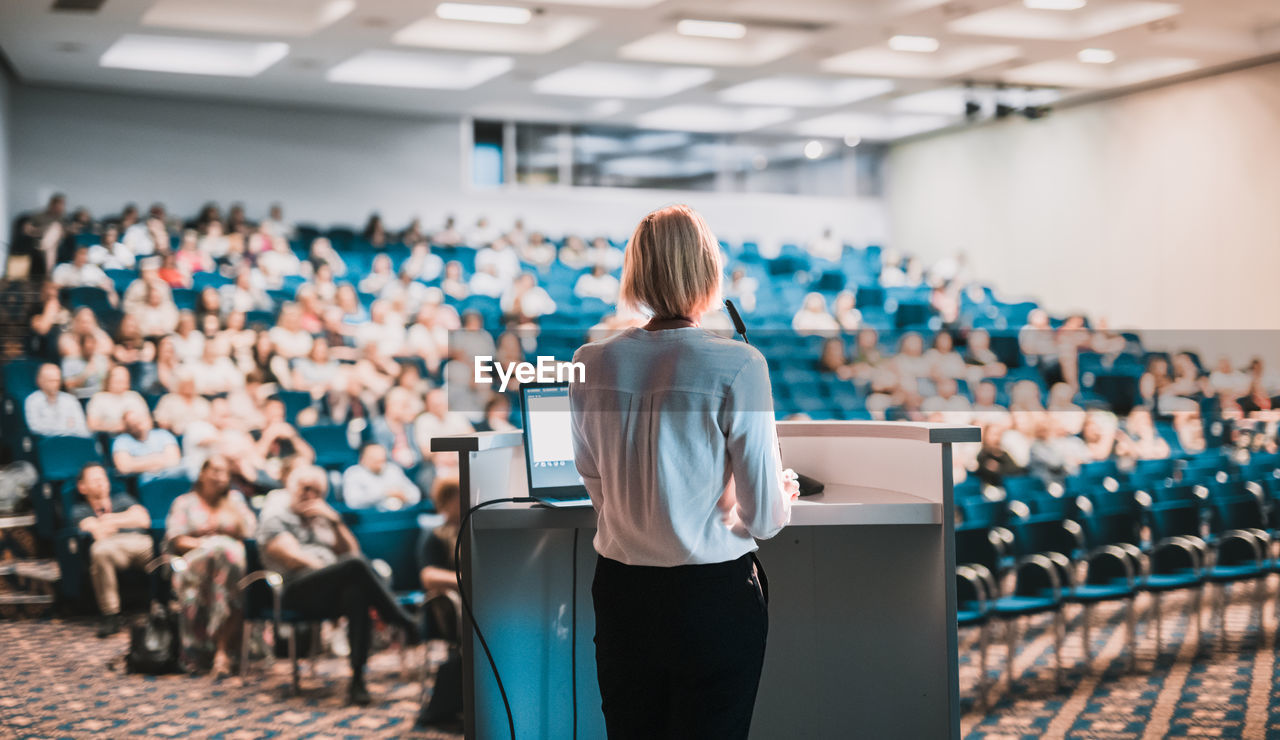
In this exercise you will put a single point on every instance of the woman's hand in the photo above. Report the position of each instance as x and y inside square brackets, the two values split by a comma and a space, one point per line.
[790, 484]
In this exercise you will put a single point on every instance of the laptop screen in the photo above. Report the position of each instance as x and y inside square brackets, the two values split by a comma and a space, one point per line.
[548, 443]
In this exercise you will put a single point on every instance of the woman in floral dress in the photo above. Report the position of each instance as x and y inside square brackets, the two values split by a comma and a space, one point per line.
[207, 527]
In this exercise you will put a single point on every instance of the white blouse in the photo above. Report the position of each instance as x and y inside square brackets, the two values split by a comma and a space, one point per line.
[674, 437]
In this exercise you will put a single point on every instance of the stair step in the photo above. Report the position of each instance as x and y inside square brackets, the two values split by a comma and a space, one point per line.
[14, 522]
[35, 569]
[21, 598]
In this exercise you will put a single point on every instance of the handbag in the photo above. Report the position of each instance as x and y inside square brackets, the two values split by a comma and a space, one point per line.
[153, 645]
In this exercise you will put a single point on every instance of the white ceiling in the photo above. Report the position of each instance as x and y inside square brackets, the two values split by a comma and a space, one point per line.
[808, 67]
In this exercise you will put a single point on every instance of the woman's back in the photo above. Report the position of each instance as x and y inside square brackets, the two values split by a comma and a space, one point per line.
[661, 421]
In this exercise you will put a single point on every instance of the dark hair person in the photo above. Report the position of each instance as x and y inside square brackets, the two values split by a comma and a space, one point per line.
[674, 437]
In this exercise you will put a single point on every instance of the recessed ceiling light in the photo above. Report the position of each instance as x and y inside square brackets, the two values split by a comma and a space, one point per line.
[813, 149]
[1055, 4]
[712, 118]
[613, 80]
[609, 107]
[852, 141]
[508, 14]
[183, 55]
[418, 70]
[1096, 56]
[711, 29]
[922, 44]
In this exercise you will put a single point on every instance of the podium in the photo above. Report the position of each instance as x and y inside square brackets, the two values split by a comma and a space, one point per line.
[862, 630]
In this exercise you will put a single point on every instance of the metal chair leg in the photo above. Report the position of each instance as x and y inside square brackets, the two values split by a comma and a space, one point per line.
[1132, 627]
[1057, 648]
[1199, 607]
[293, 658]
[1159, 623]
[1011, 637]
[1224, 595]
[1086, 637]
[244, 648]
[983, 637]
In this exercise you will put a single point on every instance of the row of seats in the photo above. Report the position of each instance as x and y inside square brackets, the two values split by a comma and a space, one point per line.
[1208, 521]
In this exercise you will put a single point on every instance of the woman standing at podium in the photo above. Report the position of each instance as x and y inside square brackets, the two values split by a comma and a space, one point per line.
[674, 437]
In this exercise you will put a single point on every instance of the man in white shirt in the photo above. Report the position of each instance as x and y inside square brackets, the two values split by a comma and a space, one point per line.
[377, 482]
[146, 237]
[597, 284]
[215, 372]
[439, 421]
[487, 283]
[383, 330]
[483, 234]
[81, 273]
[135, 296]
[111, 253]
[826, 247]
[604, 253]
[51, 412]
[503, 258]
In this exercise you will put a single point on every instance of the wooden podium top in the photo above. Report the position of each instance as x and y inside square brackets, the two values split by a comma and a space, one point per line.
[905, 430]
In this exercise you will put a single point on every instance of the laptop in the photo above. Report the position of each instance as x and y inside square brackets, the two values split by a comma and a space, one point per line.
[548, 446]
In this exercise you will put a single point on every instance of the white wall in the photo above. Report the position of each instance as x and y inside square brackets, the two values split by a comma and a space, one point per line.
[1158, 210]
[334, 167]
[5, 116]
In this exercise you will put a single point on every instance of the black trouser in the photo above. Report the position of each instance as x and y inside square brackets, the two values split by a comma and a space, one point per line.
[679, 650]
[348, 588]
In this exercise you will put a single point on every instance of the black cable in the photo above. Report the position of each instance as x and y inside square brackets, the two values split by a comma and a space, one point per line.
[466, 605]
[573, 635]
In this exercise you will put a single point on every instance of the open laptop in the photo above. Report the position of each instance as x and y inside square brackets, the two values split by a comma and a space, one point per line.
[548, 446]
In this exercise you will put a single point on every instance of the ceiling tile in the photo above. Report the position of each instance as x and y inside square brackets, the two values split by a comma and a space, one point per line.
[419, 69]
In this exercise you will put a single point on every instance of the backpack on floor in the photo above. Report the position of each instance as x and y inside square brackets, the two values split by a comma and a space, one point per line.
[153, 645]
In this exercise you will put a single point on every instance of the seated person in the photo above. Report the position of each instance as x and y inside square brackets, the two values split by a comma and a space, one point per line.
[207, 527]
[441, 611]
[280, 439]
[179, 409]
[304, 540]
[81, 273]
[107, 407]
[50, 411]
[375, 481]
[143, 450]
[118, 525]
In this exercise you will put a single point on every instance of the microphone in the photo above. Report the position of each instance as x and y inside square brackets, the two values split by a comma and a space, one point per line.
[738, 326]
[808, 486]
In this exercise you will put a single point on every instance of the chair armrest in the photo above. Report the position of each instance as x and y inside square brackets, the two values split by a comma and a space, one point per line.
[970, 575]
[274, 581]
[1120, 555]
[1193, 552]
[1066, 567]
[1242, 535]
[992, 589]
[176, 563]
[1047, 565]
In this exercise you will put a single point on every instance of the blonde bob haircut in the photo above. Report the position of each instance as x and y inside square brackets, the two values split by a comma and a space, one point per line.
[672, 265]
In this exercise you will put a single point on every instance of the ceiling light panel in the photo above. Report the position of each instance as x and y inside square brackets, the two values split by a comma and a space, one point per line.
[288, 18]
[1055, 4]
[628, 4]
[712, 118]
[757, 46]
[953, 59]
[711, 29]
[872, 126]
[805, 92]
[1096, 56]
[503, 14]
[418, 69]
[542, 35]
[1018, 21]
[918, 44]
[182, 55]
[1072, 73]
[610, 80]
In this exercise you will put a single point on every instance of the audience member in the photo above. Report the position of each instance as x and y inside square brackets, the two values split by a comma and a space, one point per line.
[118, 525]
[597, 284]
[182, 407]
[306, 541]
[50, 412]
[377, 482]
[108, 406]
[207, 528]
[143, 450]
[813, 318]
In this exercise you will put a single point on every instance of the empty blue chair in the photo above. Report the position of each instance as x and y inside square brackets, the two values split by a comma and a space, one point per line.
[157, 495]
[330, 444]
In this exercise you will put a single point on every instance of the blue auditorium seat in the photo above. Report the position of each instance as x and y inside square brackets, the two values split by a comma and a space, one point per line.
[330, 443]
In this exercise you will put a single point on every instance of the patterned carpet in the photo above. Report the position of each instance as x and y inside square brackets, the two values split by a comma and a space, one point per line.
[58, 681]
